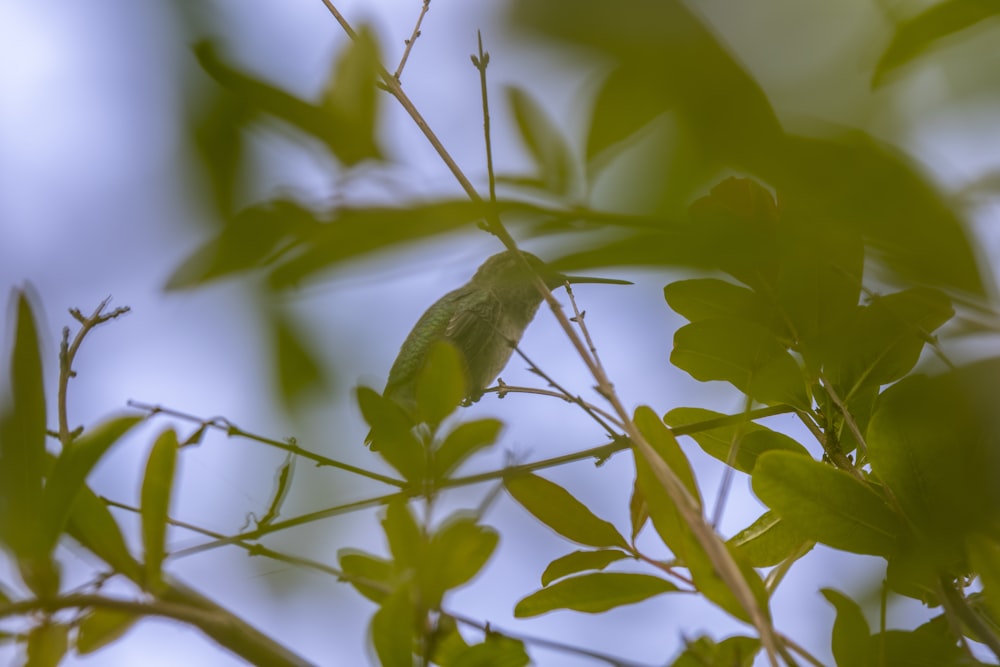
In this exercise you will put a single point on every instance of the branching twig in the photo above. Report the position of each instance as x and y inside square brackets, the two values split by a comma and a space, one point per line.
[504, 389]
[848, 418]
[413, 38]
[481, 62]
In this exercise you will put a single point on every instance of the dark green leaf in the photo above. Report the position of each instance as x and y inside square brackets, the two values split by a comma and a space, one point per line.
[300, 373]
[458, 550]
[744, 354]
[392, 630]
[921, 33]
[624, 105]
[930, 645]
[372, 576]
[559, 510]
[593, 593]
[157, 486]
[767, 541]
[579, 561]
[851, 634]
[100, 627]
[406, 541]
[47, 644]
[717, 442]
[984, 557]
[709, 298]
[464, 441]
[71, 470]
[545, 141]
[441, 384]
[825, 504]
[730, 652]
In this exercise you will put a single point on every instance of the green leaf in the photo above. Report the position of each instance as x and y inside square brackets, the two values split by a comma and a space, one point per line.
[624, 105]
[767, 541]
[157, 486]
[851, 634]
[545, 141]
[921, 33]
[593, 593]
[391, 435]
[392, 630]
[47, 645]
[100, 627]
[559, 510]
[352, 100]
[458, 550]
[407, 543]
[579, 561]
[984, 557]
[495, 651]
[709, 298]
[71, 470]
[464, 441]
[299, 371]
[744, 354]
[441, 384]
[730, 652]
[92, 525]
[372, 576]
[932, 643]
[717, 442]
[825, 504]
[22, 440]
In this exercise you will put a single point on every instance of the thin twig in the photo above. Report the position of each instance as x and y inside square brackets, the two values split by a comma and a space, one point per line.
[504, 389]
[848, 418]
[413, 38]
[481, 63]
[232, 430]
[579, 317]
[728, 471]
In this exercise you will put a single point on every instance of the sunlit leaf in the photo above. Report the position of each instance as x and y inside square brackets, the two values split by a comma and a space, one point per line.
[457, 551]
[464, 441]
[407, 543]
[392, 630]
[767, 541]
[593, 593]
[372, 576]
[851, 634]
[580, 561]
[47, 644]
[559, 510]
[100, 627]
[826, 504]
[157, 487]
[441, 384]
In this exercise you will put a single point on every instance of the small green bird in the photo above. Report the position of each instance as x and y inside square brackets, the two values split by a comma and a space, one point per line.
[484, 319]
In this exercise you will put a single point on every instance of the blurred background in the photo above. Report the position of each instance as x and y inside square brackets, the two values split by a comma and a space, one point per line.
[121, 158]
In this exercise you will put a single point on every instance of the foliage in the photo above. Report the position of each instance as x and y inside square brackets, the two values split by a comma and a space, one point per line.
[814, 282]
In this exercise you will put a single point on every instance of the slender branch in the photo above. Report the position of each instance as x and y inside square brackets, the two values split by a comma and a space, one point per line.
[837, 457]
[729, 470]
[503, 389]
[848, 418]
[232, 430]
[413, 38]
[579, 318]
[958, 607]
[481, 62]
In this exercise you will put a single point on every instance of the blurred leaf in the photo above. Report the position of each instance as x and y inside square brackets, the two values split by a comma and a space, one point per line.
[593, 593]
[929, 644]
[638, 510]
[851, 634]
[441, 383]
[984, 557]
[464, 441]
[351, 98]
[71, 470]
[300, 373]
[767, 541]
[921, 33]
[716, 442]
[157, 486]
[22, 440]
[407, 543]
[545, 141]
[458, 550]
[744, 354]
[559, 510]
[392, 630]
[826, 504]
[730, 652]
[391, 435]
[254, 238]
[215, 126]
[579, 561]
[100, 627]
[92, 525]
[624, 105]
[47, 644]
[372, 576]
[345, 129]
[494, 651]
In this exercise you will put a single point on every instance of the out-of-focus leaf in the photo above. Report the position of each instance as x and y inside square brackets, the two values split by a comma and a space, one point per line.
[440, 385]
[407, 543]
[579, 561]
[100, 627]
[299, 371]
[22, 439]
[345, 130]
[624, 105]
[545, 141]
[559, 510]
[984, 557]
[767, 541]
[391, 435]
[47, 644]
[495, 651]
[458, 550]
[709, 298]
[929, 644]
[851, 634]
[638, 510]
[70, 471]
[593, 593]
[744, 354]
[392, 630]
[215, 124]
[730, 652]
[157, 486]
[921, 33]
[825, 504]
[755, 440]
[464, 441]
[351, 98]
[250, 240]
[370, 575]
[92, 525]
